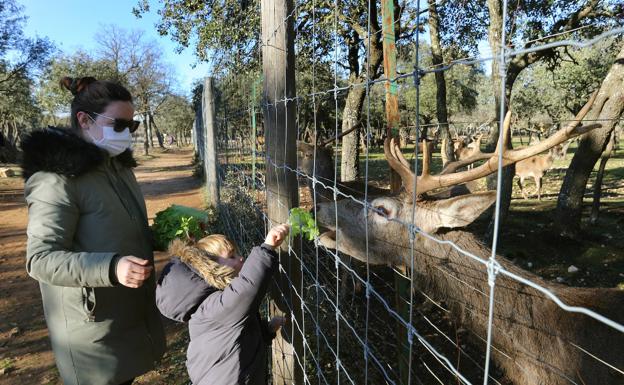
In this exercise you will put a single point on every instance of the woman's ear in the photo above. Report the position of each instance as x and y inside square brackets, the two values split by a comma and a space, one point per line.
[83, 119]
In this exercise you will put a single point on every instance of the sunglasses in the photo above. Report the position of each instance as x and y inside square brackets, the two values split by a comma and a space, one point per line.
[121, 124]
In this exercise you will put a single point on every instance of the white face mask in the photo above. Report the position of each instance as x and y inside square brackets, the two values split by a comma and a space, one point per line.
[113, 142]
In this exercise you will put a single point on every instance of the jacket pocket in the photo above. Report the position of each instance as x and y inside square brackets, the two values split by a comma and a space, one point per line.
[88, 303]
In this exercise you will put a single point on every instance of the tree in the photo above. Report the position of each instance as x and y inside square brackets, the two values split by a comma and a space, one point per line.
[437, 60]
[607, 108]
[562, 90]
[29, 54]
[530, 23]
[55, 100]
[460, 83]
[138, 64]
[175, 116]
[230, 29]
[20, 59]
[123, 56]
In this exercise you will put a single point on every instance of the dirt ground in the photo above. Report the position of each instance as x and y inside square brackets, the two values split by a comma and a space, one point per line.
[25, 353]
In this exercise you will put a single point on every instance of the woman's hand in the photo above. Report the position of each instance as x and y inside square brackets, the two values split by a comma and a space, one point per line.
[276, 235]
[132, 271]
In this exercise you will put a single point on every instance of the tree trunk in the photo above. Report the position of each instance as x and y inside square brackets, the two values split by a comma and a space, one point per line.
[599, 176]
[150, 122]
[11, 133]
[495, 31]
[159, 135]
[349, 164]
[446, 149]
[351, 115]
[146, 134]
[598, 191]
[607, 109]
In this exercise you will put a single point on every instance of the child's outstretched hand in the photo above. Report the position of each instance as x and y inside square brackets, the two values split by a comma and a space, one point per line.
[276, 235]
[276, 323]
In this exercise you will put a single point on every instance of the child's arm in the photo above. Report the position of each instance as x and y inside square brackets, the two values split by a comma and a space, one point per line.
[243, 295]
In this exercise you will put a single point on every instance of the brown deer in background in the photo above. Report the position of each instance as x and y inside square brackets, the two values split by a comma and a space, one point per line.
[536, 166]
[323, 156]
[464, 151]
[534, 340]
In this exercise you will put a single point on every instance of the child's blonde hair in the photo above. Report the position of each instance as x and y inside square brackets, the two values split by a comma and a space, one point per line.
[217, 244]
[203, 257]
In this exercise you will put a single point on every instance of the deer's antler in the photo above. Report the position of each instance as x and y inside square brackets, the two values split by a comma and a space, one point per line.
[453, 166]
[427, 182]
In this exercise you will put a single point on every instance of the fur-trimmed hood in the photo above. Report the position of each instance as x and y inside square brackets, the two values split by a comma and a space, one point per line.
[187, 280]
[62, 152]
[200, 262]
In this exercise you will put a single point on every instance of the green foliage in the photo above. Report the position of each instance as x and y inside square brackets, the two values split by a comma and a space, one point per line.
[562, 90]
[181, 222]
[175, 115]
[229, 27]
[20, 58]
[122, 56]
[302, 222]
[56, 100]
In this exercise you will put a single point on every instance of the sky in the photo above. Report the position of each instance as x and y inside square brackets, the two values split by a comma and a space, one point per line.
[72, 24]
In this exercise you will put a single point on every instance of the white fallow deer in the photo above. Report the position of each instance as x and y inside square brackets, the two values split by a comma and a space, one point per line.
[536, 166]
[534, 340]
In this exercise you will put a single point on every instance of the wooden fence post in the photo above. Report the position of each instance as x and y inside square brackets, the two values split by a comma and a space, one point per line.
[198, 127]
[401, 286]
[278, 63]
[210, 149]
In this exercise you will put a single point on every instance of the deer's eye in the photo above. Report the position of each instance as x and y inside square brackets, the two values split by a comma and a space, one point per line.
[382, 210]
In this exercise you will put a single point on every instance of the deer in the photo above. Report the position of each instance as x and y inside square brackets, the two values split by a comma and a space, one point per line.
[463, 152]
[534, 340]
[323, 156]
[536, 166]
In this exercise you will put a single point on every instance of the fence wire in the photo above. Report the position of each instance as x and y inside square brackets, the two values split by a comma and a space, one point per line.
[351, 309]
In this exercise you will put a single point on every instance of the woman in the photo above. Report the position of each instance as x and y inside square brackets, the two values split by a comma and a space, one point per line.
[89, 244]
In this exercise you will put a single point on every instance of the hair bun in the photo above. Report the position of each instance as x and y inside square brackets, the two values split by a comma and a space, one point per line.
[76, 86]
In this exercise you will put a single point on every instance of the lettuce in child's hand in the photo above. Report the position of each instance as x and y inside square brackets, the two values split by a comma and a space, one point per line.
[302, 222]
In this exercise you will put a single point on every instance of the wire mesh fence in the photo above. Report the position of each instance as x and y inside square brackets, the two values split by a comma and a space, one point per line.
[397, 292]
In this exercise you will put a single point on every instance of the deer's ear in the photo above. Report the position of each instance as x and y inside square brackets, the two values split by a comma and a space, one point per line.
[458, 211]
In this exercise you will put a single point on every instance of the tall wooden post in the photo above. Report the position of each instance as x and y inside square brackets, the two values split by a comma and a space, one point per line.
[278, 64]
[393, 118]
[198, 128]
[254, 131]
[390, 66]
[210, 148]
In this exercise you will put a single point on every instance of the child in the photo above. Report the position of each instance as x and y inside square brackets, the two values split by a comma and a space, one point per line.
[210, 287]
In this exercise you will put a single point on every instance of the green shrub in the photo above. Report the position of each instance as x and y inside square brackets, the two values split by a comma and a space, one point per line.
[181, 222]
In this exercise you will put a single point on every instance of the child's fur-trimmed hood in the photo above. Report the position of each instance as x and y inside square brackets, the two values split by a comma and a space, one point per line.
[63, 152]
[215, 274]
[189, 278]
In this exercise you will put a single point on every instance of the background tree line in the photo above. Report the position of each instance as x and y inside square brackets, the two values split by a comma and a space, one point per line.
[30, 70]
[542, 87]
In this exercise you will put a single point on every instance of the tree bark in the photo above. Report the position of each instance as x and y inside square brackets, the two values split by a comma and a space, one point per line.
[446, 149]
[495, 31]
[607, 108]
[150, 122]
[159, 135]
[349, 164]
[146, 134]
[598, 190]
